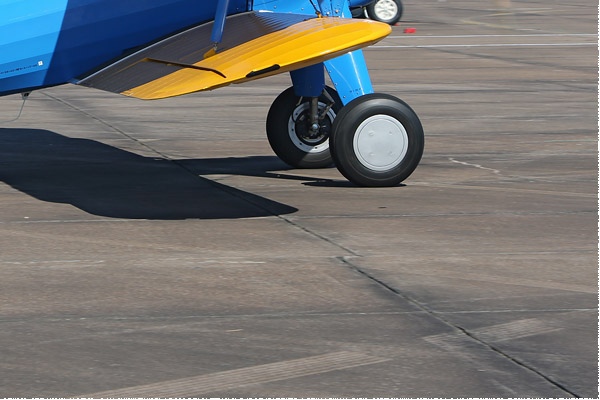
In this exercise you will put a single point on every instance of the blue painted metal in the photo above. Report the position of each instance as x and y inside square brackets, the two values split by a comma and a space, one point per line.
[50, 42]
[309, 81]
[73, 37]
[350, 75]
[29, 32]
[332, 8]
[219, 25]
[359, 3]
[285, 6]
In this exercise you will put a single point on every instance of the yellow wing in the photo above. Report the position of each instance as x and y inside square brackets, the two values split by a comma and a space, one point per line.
[255, 45]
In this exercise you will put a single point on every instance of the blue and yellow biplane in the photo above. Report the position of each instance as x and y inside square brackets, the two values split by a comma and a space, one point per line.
[154, 49]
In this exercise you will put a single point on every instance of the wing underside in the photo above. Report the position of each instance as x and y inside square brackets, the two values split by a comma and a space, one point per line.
[254, 45]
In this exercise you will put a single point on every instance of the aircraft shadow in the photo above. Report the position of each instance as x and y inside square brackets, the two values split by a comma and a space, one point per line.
[106, 181]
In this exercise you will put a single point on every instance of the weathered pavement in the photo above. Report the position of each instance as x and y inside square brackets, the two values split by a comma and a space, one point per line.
[160, 249]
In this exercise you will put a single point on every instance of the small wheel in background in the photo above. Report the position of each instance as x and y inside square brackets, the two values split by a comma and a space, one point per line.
[388, 11]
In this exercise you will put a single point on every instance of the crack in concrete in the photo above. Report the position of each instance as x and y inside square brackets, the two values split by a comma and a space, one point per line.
[464, 331]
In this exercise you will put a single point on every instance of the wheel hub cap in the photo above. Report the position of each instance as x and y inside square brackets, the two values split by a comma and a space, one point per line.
[301, 134]
[380, 142]
[386, 9]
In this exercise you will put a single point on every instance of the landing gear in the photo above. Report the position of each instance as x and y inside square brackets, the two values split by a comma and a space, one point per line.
[298, 128]
[377, 140]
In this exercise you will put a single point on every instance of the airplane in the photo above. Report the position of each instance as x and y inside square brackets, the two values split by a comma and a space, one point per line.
[163, 48]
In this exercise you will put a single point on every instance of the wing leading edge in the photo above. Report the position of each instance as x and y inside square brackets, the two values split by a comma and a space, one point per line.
[254, 45]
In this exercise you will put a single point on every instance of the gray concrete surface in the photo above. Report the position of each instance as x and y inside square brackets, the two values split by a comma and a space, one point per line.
[160, 249]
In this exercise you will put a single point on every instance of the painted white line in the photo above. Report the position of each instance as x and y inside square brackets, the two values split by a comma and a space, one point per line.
[220, 381]
[503, 280]
[459, 342]
[514, 330]
[495, 171]
[503, 189]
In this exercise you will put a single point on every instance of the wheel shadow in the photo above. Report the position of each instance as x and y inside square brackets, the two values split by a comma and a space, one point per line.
[258, 166]
[106, 181]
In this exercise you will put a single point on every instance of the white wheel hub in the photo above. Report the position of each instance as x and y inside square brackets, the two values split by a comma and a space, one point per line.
[385, 9]
[306, 145]
[380, 142]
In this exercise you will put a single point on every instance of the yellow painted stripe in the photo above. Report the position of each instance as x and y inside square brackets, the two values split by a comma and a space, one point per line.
[297, 46]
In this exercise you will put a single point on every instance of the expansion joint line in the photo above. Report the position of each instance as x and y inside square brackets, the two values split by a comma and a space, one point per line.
[434, 314]
[517, 361]
[320, 237]
[103, 122]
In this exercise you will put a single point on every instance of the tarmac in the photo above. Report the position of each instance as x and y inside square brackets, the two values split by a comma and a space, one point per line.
[160, 249]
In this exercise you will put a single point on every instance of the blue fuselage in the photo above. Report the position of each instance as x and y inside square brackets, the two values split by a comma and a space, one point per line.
[50, 42]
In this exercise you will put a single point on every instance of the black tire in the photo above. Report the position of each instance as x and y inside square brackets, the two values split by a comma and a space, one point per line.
[288, 130]
[377, 140]
[358, 12]
[388, 11]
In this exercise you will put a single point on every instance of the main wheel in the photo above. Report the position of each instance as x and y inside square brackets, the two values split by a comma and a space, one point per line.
[377, 140]
[388, 11]
[289, 129]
